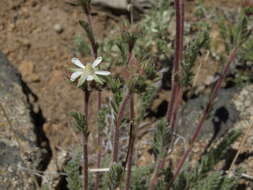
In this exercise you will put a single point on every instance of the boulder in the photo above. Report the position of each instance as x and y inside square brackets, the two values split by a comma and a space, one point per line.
[24, 148]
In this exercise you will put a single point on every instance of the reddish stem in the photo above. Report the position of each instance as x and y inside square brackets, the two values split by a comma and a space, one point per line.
[99, 138]
[85, 141]
[131, 143]
[117, 126]
[176, 95]
[205, 113]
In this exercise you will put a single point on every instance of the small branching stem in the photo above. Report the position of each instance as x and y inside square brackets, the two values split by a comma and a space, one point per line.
[117, 126]
[212, 97]
[92, 39]
[242, 144]
[130, 151]
[85, 140]
[154, 179]
[120, 114]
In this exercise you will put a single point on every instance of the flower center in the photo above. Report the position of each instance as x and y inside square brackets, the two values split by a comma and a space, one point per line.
[89, 70]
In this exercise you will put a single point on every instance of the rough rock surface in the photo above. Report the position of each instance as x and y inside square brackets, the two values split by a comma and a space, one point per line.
[24, 148]
[222, 117]
[140, 5]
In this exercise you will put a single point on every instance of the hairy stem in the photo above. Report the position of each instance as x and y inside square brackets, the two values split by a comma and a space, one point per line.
[131, 143]
[92, 39]
[99, 138]
[175, 83]
[85, 140]
[212, 97]
[117, 126]
[176, 90]
[94, 48]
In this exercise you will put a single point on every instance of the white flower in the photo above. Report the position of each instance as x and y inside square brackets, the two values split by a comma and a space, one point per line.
[88, 72]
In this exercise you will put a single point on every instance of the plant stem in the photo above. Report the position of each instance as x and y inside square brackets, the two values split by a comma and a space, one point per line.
[92, 39]
[131, 143]
[241, 146]
[158, 167]
[121, 111]
[117, 126]
[175, 83]
[205, 113]
[94, 49]
[85, 140]
[176, 96]
[99, 153]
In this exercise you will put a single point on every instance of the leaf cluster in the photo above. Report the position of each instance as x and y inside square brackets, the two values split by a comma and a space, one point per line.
[114, 176]
[204, 176]
[80, 122]
[73, 173]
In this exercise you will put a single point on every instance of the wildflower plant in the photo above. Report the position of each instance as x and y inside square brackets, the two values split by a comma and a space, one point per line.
[140, 52]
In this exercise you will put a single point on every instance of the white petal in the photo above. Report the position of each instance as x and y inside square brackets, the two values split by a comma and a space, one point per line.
[89, 78]
[75, 69]
[77, 62]
[75, 75]
[97, 62]
[81, 80]
[102, 73]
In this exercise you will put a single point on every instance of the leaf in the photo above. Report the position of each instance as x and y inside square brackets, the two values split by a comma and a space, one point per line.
[80, 122]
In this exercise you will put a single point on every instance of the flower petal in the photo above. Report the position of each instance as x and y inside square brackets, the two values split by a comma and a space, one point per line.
[97, 62]
[77, 62]
[75, 70]
[81, 80]
[102, 73]
[90, 77]
[75, 75]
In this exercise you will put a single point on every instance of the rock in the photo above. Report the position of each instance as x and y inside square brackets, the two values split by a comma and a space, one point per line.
[210, 80]
[52, 177]
[58, 28]
[243, 102]
[140, 5]
[222, 117]
[24, 149]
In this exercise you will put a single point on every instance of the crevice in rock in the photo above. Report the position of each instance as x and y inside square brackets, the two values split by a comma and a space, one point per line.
[38, 120]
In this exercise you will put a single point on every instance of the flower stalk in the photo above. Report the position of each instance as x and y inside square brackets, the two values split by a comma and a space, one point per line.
[99, 139]
[85, 140]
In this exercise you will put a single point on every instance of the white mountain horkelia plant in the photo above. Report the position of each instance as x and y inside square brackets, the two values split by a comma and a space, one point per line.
[87, 72]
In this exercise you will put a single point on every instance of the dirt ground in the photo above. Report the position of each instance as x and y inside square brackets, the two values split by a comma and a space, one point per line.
[37, 37]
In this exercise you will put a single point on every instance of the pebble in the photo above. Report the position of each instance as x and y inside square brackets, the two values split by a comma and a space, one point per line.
[58, 28]
[210, 79]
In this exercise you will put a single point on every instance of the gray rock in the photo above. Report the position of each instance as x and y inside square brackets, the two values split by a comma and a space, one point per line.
[222, 117]
[140, 5]
[23, 145]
